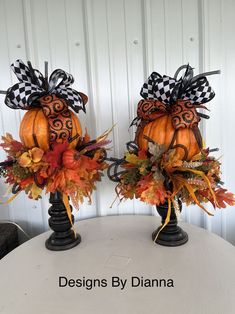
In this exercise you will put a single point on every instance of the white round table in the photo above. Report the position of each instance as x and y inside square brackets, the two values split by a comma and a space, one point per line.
[202, 272]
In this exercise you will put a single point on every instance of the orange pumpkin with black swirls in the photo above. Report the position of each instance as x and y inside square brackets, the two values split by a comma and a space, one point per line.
[51, 122]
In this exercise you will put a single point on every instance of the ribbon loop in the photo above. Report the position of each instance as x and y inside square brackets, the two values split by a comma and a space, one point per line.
[60, 78]
[150, 109]
[21, 71]
[147, 91]
[33, 85]
[184, 115]
[22, 95]
[168, 90]
[40, 78]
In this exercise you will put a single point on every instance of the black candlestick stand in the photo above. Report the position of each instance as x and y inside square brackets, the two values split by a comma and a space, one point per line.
[171, 234]
[63, 237]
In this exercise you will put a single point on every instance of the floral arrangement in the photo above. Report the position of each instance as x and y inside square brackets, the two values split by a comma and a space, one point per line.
[72, 172]
[157, 175]
[52, 153]
[167, 162]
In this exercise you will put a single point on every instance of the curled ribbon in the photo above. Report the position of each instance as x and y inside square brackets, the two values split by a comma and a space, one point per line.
[33, 85]
[114, 172]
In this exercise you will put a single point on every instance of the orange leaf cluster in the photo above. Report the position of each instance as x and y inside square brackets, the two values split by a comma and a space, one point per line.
[151, 191]
[71, 172]
[77, 183]
[157, 175]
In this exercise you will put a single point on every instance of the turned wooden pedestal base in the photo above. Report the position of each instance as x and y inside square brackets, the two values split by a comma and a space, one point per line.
[63, 237]
[171, 234]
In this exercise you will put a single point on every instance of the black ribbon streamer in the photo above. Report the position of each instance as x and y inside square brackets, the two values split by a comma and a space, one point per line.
[32, 85]
[113, 171]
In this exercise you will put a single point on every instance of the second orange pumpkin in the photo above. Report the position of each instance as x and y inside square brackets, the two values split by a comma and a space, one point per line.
[186, 140]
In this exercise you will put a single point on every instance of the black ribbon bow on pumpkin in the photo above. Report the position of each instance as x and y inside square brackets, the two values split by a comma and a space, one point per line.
[168, 90]
[33, 84]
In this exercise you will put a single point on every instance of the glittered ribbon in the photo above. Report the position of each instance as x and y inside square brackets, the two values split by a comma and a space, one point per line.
[183, 113]
[59, 118]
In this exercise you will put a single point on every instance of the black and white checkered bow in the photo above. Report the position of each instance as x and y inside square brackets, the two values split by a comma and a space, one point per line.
[33, 85]
[167, 89]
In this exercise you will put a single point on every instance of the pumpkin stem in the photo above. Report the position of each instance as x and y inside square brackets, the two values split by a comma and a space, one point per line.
[76, 156]
[46, 76]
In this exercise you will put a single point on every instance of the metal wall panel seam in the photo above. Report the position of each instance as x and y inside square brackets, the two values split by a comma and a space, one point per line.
[31, 54]
[91, 72]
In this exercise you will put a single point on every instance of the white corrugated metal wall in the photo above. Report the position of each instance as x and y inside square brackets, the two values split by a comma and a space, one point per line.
[111, 47]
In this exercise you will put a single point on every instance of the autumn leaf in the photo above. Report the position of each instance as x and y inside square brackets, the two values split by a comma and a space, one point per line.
[16, 146]
[11, 146]
[8, 138]
[54, 156]
[223, 197]
[151, 191]
[170, 162]
[27, 181]
[125, 190]
[143, 183]
[156, 149]
[142, 154]
[88, 163]
[131, 158]
[35, 192]
[154, 194]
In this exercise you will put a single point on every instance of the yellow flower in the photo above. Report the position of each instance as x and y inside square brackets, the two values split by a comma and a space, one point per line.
[36, 154]
[25, 160]
[31, 157]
